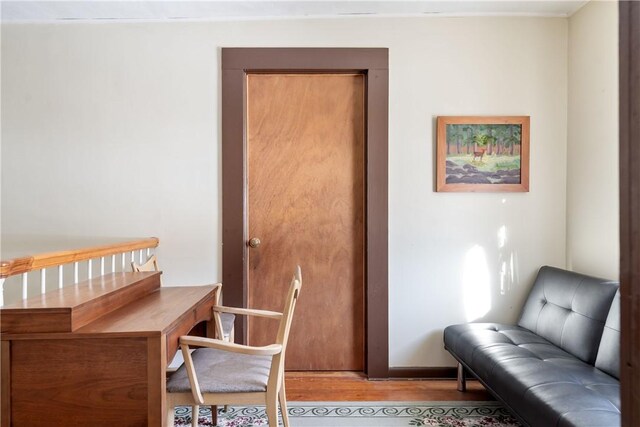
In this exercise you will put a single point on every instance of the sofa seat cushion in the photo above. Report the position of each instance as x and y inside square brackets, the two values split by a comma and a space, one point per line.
[544, 384]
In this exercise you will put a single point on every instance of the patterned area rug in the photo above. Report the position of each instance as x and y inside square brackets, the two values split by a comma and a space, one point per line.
[369, 414]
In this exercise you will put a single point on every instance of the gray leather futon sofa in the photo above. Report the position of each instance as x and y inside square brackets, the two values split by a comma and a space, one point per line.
[559, 366]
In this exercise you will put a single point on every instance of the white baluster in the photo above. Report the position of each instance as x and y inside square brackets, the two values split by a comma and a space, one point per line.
[25, 282]
[43, 281]
[123, 255]
[75, 272]
[102, 266]
[1, 292]
[140, 256]
[148, 252]
[133, 256]
[113, 263]
[60, 278]
[89, 269]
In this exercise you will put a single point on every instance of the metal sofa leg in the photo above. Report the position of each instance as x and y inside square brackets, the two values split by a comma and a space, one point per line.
[462, 378]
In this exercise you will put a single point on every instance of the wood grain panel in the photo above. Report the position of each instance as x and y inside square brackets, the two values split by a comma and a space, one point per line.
[77, 380]
[72, 307]
[157, 378]
[159, 312]
[629, 13]
[51, 320]
[306, 204]
[233, 194]
[353, 386]
[377, 224]
[307, 59]
[201, 313]
[110, 372]
[5, 390]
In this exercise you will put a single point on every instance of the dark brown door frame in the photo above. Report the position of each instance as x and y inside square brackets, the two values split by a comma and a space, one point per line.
[373, 63]
[630, 211]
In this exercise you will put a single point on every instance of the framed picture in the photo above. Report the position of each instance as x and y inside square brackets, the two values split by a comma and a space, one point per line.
[482, 154]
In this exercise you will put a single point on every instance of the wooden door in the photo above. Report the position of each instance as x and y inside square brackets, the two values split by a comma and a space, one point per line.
[305, 145]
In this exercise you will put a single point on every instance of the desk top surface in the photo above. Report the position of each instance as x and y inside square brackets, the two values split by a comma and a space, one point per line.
[119, 303]
[158, 311]
[74, 296]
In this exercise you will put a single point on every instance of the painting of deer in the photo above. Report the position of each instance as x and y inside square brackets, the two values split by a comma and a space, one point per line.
[476, 153]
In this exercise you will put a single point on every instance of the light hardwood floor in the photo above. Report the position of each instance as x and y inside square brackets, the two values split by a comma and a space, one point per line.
[353, 386]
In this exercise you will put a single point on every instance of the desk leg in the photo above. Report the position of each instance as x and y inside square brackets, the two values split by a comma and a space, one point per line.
[157, 381]
[211, 328]
[5, 389]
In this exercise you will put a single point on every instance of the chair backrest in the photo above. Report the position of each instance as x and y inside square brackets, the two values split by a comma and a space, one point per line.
[277, 363]
[217, 300]
[287, 312]
[150, 265]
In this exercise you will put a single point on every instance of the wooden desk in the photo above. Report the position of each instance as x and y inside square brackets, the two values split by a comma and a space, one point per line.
[95, 354]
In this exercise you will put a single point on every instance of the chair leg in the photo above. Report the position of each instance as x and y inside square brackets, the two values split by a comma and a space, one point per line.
[214, 415]
[282, 397]
[195, 411]
[170, 415]
[462, 378]
[272, 409]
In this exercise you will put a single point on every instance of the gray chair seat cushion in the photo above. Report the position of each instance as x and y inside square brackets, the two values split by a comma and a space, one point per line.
[538, 380]
[227, 320]
[223, 372]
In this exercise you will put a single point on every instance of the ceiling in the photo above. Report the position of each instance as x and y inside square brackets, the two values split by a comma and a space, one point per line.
[127, 11]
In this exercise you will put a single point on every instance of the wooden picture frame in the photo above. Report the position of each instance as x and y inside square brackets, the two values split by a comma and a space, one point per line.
[482, 154]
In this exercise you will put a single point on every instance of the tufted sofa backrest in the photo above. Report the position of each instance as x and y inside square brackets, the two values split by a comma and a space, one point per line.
[608, 359]
[569, 310]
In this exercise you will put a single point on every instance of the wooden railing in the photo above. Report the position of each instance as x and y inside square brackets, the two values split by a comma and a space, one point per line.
[109, 257]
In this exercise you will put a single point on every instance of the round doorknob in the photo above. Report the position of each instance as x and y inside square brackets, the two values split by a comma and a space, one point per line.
[254, 243]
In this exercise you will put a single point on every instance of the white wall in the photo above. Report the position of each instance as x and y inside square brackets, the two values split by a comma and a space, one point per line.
[114, 129]
[593, 237]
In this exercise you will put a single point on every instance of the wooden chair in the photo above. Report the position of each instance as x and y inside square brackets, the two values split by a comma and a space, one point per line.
[224, 321]
[150, 265]
[221, 373]
[224, 330]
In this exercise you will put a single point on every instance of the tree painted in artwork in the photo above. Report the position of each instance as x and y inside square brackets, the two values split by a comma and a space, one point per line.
[468, 142]
[482, 138]
[493, 139]
[454, 136]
